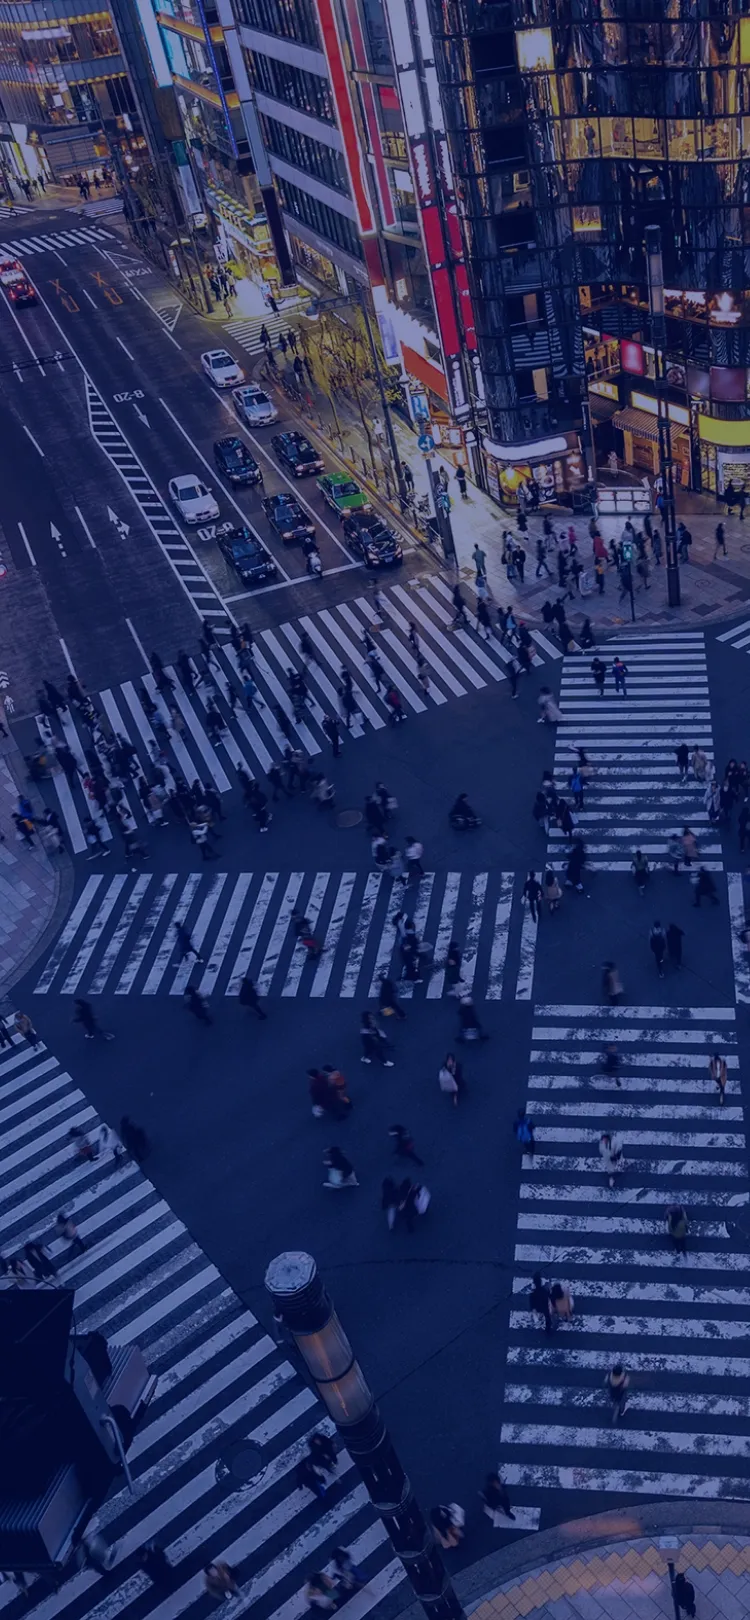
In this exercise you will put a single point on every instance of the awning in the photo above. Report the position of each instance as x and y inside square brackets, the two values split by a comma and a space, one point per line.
[426, 373]
[642, 422]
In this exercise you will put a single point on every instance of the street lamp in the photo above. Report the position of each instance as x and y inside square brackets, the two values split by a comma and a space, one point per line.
[299, 1295]
[666, 465]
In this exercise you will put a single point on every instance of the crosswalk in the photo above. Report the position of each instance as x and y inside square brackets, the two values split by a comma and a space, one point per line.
[635, 799]
[219, 1380]
[11, 212]
[679, 1325]
[738, 636]
[82, 236]
[246, 330]
[458, 663]
[119, 938]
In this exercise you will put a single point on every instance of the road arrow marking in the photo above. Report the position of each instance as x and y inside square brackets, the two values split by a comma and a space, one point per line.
[123, 529]
[57, 537]
[140, 413]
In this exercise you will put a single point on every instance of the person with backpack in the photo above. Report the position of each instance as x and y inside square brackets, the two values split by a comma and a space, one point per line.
[523, 1130]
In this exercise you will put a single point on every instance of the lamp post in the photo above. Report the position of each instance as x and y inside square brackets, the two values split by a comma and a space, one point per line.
[299, 1295]
[666, 465]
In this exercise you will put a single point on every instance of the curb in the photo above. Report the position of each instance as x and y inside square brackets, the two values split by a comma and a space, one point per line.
[480, 1582]
[64, 873]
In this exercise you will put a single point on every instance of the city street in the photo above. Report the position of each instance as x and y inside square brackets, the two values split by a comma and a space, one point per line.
[106, 404]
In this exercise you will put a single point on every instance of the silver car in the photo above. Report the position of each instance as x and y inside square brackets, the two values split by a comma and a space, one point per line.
[253, 407]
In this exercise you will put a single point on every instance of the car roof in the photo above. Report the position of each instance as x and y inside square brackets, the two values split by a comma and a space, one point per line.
[220, 354]
[187, 478]
[339, 478]
[284, 499]
[230, 441]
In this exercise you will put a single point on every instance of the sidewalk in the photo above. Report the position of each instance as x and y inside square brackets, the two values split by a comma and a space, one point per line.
[31, 888]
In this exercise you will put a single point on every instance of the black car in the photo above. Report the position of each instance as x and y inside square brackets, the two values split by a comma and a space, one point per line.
[247, 556]
[287, 518]
[368, 537]
[234, 460]
[297, 453]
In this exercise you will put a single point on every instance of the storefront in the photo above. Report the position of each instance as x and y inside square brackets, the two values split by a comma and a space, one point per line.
[243, 240]
[725, 454]
[547, 472]
[640, 438]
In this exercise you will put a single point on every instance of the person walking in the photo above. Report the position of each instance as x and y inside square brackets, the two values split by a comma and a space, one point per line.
[184, 943]
[705, 887]
[721, 544]
[459, 610]
[620, 673]
[374, 1043]
[641, 871]
[461, 481]
[403, 1144]
[219, 1580]
[683, 1593]
[23, 1026]
[494, 1495]
[155, 1564]
[451, 1078]
[599, 672]
[453, 962]
[617, 1384]
[675, 936]
[65, 1228]
[479, 559]
[657, 940]
[413, 852]
[699, 764]
[532, 891]
[677, 1228]
[540, 1302]
[332, 729]
[249, 997]
[196, 1004]
[610, 1153]
[388, 1002]
[717, 1072]
[682, 755]
[541, 559]
[84, 1015]
[134, 1139]
[523, 1130]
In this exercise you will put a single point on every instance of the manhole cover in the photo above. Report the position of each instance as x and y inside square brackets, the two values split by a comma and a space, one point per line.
[348, 818]
[241, 1464]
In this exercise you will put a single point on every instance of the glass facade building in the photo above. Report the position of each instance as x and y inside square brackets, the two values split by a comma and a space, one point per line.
[573, 129]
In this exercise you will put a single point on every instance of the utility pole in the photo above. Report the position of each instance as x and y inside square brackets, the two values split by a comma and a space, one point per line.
[666, 465]
[298, 1293]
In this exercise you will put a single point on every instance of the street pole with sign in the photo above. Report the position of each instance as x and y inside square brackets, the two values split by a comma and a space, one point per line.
[666, 465]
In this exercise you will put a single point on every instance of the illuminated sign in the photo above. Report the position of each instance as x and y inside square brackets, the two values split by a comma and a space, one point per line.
[534, 46]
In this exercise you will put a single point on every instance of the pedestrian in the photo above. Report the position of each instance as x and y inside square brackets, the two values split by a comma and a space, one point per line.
[332, 730]
[65, 1227]
[265, 336]
[390, 1200]
[562, 1302]
[134, 1139]
[494, 1495]
[155, 1564]
[469, 1027]
[25, 829]
[84, 1015]
[339, 1172]
[196, 1004]
[717, 1072]
[348, 1577]
[677, 1228]
[683, 1592]
[620, 673]
[459, 609]
[532, 891]
[721, 544]
[220, 1580]
[641, 871]
[37, 1256]
[682, 755]
[23, 1026]
[540, 1302]
[675, 937]
[689, 846]
[611, 984]
[523, 1130]
[484, 621]
[184, 943]
[374, 1043]
[453, 962]
[413, 852]
[461, 481]
[617, 1384]
[552, 890]
[575, 866]
[451, 1078]
[403, 1144]
[699, 763]
[599, 672]
[657, 941]
[610, 1153]
[388, 1002]
[310, 1477]
[249, 997]
[479, 559]
[541, 558]
[705, 887]
[448, 1524]
[6, 1038]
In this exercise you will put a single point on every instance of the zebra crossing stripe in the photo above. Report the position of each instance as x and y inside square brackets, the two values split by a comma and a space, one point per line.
[84, 901]
[120, 934]
[223, 939]
[500, 938]
[198, 932]
[419, 913]
[279, 933]
[361, 935]
[162, 958]
[252, 932]
[312, 912]
[738, 926]
[340, 908]
[623, 1483]
[189, 715]
[444, 934]
[93, 936]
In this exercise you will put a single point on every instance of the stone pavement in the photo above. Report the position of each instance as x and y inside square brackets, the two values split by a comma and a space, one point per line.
[31, 888]
[631, 1582]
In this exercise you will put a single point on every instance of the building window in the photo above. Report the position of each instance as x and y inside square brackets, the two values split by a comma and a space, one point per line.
[288, 19]
[309, 155]
[319, 217]
[292, 85]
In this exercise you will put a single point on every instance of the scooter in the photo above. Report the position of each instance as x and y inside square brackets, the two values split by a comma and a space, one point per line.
[461, 823]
